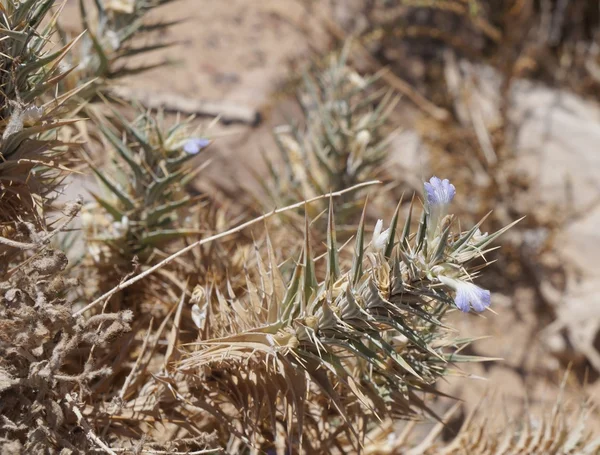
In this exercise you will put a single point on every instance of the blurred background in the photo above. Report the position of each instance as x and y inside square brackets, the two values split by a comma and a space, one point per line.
[500, 97]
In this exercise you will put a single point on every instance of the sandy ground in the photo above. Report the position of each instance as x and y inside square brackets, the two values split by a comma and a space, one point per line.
[241, 51]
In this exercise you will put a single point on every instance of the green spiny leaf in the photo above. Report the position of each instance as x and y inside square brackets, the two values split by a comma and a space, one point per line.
[359, 249]
[393, 226]
[333, 266]
[406, 230]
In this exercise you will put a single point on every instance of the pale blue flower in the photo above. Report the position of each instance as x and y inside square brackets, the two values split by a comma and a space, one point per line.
[439, 192]
[193, 145]
[468, 295]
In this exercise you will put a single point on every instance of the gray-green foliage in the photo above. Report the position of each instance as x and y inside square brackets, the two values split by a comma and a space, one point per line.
[343, 141]
[143, 185]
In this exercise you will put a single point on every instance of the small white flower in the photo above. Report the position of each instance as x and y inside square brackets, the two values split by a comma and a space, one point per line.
[198, 316]
[468, 295]
[120, 228]
[357, 80]
[478, 236]
[363, 137]
[380, 239]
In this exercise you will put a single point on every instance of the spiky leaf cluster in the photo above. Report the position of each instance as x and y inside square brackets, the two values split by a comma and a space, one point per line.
[144, 183]
[343, 141]
[332, 356]
[115, 35]
[30, 68]
[144, 211]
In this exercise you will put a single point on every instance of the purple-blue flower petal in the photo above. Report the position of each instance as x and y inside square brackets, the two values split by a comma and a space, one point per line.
[468, 294]
[462, 301]
[193, 145]
[483, 301]
[439, 192]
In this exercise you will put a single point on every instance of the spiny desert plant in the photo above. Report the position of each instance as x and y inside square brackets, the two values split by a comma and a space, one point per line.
[115, 33]
[145, 212]
[343, 141]
[46, 353]
[440, 47]
[309, 361]
[144, 185]
[30, 149]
